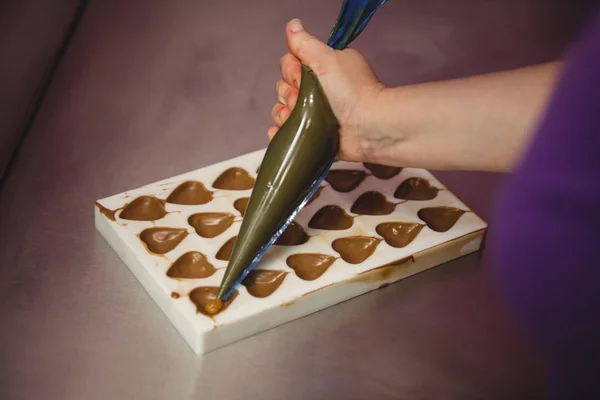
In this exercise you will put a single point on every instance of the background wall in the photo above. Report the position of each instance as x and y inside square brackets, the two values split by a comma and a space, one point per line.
[31, 35]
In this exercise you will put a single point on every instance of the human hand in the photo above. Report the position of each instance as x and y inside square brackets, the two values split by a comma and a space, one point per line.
[473, 123]
[349, 82]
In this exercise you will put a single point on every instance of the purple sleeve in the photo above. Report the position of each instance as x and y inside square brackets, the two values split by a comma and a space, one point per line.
[547, 233]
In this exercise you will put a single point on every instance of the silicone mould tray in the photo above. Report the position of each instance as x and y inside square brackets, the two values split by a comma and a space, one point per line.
[288, 294]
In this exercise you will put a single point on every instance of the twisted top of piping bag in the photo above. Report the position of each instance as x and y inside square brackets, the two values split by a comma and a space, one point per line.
[289, 175]
[352, 20]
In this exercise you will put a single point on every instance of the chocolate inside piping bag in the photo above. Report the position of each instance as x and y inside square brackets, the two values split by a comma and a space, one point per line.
[297, 159]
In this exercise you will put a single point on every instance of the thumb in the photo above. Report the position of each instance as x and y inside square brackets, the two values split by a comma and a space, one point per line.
[308, 49]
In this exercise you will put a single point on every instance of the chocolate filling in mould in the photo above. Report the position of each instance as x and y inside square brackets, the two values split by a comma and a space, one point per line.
[382, 171]
[144, 208]
[190, 193]
[234, 179]
[204, 296]
[241, 205]
[262, 283]
[161, 240]
[331, 218]
[211, 224]
[352, 247]
[345, 180]
[398, 234]
[310, 266]
[294, 235]
[355, 249]
[225, 251]
[416, 189]
[440, 219]
[191, 265]
[373, 203]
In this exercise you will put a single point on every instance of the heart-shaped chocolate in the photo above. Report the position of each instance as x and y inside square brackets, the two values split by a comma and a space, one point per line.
[372, 203]
[144, 208]
[241, 205]
[161, 240]
[203, 297]
[345, 180]
[309, 266]
[262, 283]
[191, 265]
[355, 249]
[294, 235]
[331, 218]
[190, 193]
[211, 224]
[398, 234]
[440, 219]
[225, 251]
[382, 171]
[416, 189]
[234, 179]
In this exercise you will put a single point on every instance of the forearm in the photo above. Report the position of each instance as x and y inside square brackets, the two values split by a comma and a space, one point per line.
[477, 123]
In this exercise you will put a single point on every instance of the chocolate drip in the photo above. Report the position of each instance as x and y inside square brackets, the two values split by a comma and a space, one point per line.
[440, 219]
[211, 224]
[190, 193]
[241, 205]
[204, 296]
[224, 253]
[331, 218]
[294, 235]
[234, 179]
[161, 240]
[382, 171]
[355, 249]
[391, 271]
[316, 195]
[372, 203]
[398, 234]
[144, 208]
[262, 283]
[191, 265]
[110, 214]
[345, 180]
[309, 266]
[175, 295]
[416, 189]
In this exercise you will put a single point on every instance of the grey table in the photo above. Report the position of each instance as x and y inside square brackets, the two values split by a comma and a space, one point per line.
[156, 88]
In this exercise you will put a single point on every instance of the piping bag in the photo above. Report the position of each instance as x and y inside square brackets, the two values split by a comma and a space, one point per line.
[296, 161]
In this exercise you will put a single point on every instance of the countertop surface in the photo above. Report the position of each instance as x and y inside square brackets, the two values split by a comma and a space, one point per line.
[149, 91]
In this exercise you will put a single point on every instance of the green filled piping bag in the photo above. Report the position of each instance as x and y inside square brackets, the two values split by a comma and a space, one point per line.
[296, 161]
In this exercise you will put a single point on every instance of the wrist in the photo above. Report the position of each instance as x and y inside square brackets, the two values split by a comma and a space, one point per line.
[381, 134]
